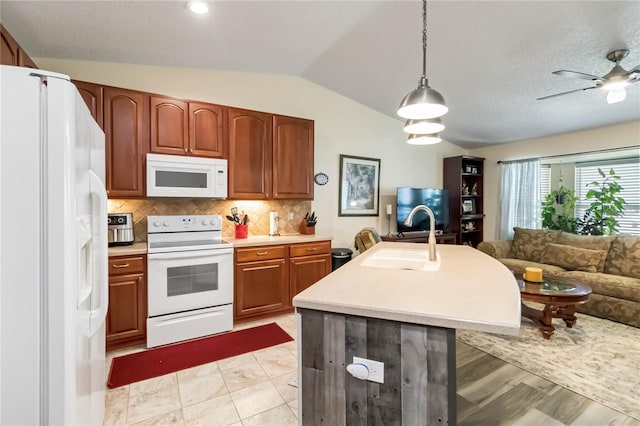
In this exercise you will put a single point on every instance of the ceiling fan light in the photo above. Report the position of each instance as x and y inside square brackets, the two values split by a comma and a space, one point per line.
[616, 84]
[422, 103]
[424, 127]
[424, 139]
[615, 96]
[198, 7]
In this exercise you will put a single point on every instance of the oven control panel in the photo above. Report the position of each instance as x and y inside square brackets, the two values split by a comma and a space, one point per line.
[176, 223]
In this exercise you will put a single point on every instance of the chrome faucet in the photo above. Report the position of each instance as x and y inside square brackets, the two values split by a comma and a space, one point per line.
[432, 225]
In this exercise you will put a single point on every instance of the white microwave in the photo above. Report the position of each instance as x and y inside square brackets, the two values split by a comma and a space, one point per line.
[192, 177]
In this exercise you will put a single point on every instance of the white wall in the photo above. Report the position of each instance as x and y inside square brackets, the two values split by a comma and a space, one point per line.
[342, 126]
[619, 136]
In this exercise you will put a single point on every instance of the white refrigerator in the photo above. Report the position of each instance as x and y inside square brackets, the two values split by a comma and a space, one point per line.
[53, 253]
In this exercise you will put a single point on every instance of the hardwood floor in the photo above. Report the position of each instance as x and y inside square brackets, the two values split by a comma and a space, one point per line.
[494, 392]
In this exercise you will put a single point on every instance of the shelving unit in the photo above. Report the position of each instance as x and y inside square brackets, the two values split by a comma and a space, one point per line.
[463, 179]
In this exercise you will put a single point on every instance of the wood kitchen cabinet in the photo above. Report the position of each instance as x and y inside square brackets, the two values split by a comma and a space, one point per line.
[270, 156]
[261, 282]
[292, 158]
[308, 263]
[186, 128]
[92, 95]
[250, 136]
[127, 315]
[169, 120]
[206, 130]
[126, 128]
[11, 53]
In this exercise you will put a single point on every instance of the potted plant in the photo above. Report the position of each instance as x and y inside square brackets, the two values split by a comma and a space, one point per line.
[563, 220]
[601, 218]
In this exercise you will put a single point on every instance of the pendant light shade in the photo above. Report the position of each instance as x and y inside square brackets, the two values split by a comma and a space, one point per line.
[424, 139]
[424, 127]
[423, 102]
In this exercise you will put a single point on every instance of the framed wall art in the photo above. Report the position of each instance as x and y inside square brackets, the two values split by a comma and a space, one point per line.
[468, 206]
[359, 186]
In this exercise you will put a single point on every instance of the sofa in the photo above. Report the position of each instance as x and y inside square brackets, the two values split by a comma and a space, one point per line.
[609, 265]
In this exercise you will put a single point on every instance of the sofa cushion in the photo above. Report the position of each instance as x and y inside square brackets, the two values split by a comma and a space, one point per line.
[588, 242]
[530, 244]
[574, 258]
[517, 267]
[624, 256]
[608, 285]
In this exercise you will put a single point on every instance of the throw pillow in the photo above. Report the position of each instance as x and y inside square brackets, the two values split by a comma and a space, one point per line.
[587, 241]
[624, 256]
[530, 244]
[573, 258]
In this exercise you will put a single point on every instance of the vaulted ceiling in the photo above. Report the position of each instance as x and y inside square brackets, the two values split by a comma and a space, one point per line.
[490, 59]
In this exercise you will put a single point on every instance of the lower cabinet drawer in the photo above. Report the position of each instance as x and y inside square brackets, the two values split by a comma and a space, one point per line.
[255, 254]
[310, 249]
[123, 265]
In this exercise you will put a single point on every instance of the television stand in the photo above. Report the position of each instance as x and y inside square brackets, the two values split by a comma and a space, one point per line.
[420, 238]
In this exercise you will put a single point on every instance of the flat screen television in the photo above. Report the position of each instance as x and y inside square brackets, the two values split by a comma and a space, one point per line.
[436, 199]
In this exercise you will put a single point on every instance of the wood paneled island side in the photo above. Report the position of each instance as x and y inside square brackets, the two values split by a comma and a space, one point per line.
[404, 318]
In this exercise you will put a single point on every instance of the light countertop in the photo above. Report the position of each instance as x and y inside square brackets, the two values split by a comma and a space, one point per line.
[471, 291]
[265, 240]
[135, 248]
[257, 240]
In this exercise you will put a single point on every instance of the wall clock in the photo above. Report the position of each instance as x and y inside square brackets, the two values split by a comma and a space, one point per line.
[321, 178]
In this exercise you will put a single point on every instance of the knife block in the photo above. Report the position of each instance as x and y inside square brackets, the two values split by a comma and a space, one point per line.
[307, 230]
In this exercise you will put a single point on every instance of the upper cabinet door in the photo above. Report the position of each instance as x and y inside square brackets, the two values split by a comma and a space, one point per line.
[249, 154]
[169, 126]
[8, 49]
[125, 122]
[206, 136]
[11, 53]
[92, 96]
[292, 158]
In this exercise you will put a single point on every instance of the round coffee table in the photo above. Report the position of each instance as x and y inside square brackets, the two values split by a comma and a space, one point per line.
[559, 299]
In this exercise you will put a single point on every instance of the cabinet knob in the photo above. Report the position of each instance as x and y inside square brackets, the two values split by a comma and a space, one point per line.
[261, 253]
[124, 265]
[312, 249]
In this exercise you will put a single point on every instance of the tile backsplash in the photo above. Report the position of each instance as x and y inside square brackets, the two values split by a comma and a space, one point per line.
[258, 212]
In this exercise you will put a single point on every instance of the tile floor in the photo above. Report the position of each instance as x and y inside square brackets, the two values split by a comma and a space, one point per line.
[252, 389]
[249, 389]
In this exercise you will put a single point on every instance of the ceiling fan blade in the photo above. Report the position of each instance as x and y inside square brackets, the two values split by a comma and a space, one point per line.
[634, 73]
[575, 74]
[566, 93]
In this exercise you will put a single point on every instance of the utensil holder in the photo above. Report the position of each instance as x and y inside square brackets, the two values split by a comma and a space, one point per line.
[307, 230]
[242, 231]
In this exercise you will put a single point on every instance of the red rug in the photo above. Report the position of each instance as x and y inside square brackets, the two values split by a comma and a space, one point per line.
[178, 356]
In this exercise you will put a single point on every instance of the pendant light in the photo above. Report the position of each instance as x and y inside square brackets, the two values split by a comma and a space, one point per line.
[424, 139]
[424, 127]
[423, 102]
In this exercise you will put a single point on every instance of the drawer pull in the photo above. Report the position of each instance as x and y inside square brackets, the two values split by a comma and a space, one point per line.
[312, 249]
[261, 253]
[125, 265]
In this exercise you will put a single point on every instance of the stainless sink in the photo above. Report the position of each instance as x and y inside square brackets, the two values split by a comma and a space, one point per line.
[414, 260]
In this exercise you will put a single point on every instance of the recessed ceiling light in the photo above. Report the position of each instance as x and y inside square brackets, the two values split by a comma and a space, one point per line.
[198, 7]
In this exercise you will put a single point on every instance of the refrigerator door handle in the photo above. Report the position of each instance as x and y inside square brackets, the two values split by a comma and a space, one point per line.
[99, 314]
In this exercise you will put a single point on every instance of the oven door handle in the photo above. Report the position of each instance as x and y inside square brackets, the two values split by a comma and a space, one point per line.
[189, 254]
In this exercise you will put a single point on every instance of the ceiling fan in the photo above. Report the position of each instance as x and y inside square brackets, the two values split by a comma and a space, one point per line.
[613, 82]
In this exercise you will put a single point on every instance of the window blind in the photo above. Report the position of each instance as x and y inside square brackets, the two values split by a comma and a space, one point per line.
[545, 180]
[629, 172]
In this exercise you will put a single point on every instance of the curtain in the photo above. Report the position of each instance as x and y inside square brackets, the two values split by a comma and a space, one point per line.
[520, 201]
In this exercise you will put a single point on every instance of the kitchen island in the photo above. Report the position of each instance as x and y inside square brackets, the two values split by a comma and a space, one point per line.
[385, 306]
